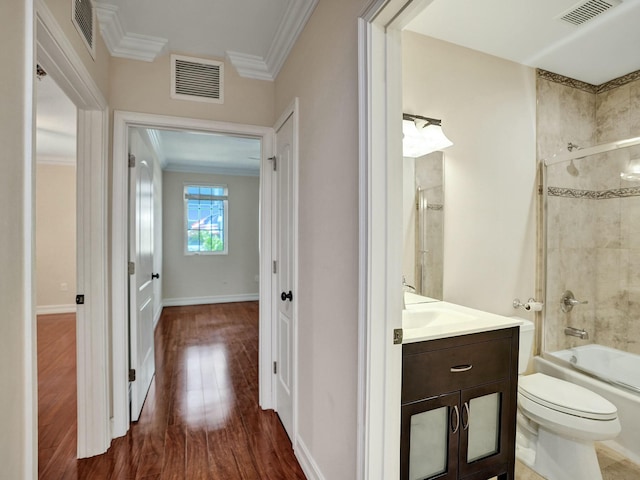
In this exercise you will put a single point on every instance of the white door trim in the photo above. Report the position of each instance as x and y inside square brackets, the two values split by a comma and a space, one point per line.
[292, 110]
[380, 262]
[59, 59]
[120, 366]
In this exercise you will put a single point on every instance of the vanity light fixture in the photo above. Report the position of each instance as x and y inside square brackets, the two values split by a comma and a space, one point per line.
[422, 135]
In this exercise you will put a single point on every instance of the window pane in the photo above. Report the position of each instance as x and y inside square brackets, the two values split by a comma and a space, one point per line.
[205, 222]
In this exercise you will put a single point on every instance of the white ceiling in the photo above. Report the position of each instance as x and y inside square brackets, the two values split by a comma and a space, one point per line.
[527, 32]
[258, 35]
[255, 35]
[184, 151]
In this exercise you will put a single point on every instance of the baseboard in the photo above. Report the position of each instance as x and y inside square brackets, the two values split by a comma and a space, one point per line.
[53, 309]
[181, 302]
[306, 461]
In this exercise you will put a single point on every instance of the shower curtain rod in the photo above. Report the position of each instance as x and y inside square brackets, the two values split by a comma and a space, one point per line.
[584, 152]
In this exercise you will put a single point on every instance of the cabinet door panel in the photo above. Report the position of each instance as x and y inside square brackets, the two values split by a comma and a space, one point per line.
[429, 443]
[484, 431]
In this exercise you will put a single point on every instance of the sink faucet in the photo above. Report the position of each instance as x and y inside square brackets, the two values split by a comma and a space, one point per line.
[406, 288]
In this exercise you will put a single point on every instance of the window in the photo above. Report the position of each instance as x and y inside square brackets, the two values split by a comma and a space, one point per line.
[206, 219]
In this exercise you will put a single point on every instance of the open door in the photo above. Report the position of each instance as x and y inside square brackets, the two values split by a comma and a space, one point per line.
[285, 283]
[142, 361]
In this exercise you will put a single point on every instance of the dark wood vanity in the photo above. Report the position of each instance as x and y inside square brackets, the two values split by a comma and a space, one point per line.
[459, 401]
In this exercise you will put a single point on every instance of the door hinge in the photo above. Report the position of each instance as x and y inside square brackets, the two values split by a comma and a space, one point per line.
[80, 299]
[275, 367]
[132, 160]
[275, 162]
[131, 268]
[132, 374]
[397, 336]
[275, 266]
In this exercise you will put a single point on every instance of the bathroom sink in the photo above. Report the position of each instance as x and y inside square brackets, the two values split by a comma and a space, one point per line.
[430, 321]
[438, 315]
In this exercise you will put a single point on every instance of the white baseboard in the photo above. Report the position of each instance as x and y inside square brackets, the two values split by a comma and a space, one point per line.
[181, 302]
[53, 309]
[306, 461]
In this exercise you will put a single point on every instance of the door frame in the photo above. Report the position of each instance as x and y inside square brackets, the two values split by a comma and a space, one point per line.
[59, 59]
[380, 258]
[292, 111]
[122, 120]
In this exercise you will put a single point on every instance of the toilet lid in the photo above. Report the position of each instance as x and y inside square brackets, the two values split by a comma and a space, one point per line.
[566, 397]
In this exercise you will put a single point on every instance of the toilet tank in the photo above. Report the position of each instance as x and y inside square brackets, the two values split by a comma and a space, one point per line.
[526, 344]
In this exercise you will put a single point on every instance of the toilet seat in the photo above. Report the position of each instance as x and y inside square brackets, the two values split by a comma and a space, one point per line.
[566, 397]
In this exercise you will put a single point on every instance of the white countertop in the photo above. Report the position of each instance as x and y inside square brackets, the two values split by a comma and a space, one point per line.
[431, 321]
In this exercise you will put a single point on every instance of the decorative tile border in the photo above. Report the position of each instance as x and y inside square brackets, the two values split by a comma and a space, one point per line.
[592, 194]
[566, 81]
[434, 206]
[619, 82]
[587, 87]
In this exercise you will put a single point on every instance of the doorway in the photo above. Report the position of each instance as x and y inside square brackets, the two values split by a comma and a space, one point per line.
[123, 123]
[55, 274]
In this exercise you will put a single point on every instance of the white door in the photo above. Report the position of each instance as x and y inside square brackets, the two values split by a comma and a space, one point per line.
[284, 282]
[142, 361]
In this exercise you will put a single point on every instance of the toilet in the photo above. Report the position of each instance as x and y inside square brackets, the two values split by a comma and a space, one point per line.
[558, 422]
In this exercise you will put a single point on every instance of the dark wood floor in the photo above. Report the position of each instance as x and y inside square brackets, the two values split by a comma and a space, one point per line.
[201, 419]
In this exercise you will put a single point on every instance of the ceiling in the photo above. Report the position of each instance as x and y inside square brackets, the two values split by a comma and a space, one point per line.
[256, 36]
[528, 32]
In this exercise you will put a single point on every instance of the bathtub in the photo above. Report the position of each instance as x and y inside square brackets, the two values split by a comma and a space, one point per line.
[586, 366]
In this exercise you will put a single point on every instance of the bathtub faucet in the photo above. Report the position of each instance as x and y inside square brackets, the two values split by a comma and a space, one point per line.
[568, 301]
[577, 332]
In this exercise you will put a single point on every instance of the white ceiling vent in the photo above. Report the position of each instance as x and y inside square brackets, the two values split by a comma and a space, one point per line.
[585, 11]
[84, 18]
[197, 79]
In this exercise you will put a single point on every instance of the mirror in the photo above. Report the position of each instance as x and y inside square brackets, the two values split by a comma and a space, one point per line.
[423, 220]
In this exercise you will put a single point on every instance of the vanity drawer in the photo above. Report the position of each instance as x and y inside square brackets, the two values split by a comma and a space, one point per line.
[439, 371]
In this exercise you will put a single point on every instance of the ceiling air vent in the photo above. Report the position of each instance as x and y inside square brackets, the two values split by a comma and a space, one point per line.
[197, 79]
[585, 11]
[84, 19]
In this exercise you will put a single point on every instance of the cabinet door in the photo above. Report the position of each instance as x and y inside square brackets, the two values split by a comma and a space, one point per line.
[429, 442]
[484, 428]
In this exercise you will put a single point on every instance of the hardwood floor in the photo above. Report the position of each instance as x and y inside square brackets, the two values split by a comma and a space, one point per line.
[201, 418]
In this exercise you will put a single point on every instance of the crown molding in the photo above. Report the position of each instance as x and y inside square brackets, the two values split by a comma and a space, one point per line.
[123, 44]
[250, 66]
[256, 67]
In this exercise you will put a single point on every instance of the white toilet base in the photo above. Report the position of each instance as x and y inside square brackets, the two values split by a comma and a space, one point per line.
[562, 458]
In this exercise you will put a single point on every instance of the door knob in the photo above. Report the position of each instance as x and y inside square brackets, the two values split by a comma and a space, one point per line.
[155, 275]
[285, 296]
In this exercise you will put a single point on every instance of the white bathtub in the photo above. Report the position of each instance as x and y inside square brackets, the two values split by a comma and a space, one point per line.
[560, 365]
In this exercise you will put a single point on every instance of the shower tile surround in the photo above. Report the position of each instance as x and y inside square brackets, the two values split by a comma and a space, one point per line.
[593, 216]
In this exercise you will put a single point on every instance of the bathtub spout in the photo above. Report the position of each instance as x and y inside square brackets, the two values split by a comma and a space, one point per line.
[577, 332]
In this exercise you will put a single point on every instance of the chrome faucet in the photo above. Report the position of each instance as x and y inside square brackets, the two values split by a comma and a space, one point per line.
[406, 288]
[577, 332]
[568, 301]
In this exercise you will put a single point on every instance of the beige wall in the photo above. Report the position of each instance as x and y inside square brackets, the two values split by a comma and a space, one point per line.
[98, 67]
[212, 277]
[322, 70]
[145, 87]
[55, 235]
[488, 109]
[14, 162]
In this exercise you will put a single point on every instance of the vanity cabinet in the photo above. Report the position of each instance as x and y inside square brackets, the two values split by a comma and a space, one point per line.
[459, 399]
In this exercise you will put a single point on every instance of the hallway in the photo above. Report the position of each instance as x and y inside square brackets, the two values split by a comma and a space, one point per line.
[201, 418]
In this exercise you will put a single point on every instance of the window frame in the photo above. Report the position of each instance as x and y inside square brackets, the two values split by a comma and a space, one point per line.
[185, 228]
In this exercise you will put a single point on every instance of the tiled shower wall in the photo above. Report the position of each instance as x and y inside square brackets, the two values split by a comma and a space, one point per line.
[593, 216]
